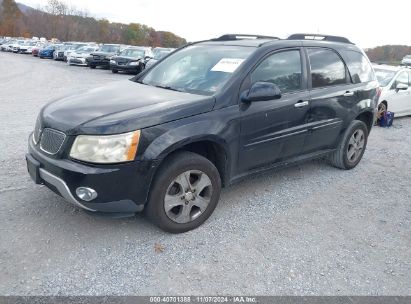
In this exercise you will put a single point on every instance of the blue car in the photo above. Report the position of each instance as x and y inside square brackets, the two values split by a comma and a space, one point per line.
[47, 52]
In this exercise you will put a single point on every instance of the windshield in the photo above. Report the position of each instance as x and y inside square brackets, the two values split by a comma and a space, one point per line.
[161, 54]
[109, 48]
[384, 76]
[85, 50]
[197, 69]
[133, 53]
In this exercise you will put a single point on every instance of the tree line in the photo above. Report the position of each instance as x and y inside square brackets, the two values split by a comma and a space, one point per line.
[59, 20]
[388, 53]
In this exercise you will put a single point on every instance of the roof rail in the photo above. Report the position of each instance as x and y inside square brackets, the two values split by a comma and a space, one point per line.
[241, 36]
[319, 37]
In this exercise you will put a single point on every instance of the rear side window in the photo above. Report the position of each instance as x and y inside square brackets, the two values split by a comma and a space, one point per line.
[282, 69]
[359, 67]
[327, 68]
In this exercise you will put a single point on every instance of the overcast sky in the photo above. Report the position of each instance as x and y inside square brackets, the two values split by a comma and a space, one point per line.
[367, 23]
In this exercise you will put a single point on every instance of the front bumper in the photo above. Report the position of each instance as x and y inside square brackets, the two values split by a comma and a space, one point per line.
[126, 68]
[77, 61]
[98, 62]
[121, 188]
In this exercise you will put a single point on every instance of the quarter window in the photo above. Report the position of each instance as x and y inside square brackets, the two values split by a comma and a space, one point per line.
[282, 69]
[359, 67]
[327, 69]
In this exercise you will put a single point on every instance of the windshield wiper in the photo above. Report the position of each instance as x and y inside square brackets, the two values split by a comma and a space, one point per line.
[167, 87]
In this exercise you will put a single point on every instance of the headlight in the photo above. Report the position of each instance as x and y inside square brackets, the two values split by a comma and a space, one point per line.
[106, 148]
[134, 63]
[112, 62]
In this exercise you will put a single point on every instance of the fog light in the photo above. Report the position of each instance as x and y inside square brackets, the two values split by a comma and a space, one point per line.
[86, 194]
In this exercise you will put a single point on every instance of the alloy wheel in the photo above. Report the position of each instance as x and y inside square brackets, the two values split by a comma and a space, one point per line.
[188, 196]
[355, 145]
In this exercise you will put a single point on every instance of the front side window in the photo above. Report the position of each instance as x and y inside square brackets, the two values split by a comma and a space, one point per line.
[401, 78]
[198, 69]
[327, 68]
[282, 69]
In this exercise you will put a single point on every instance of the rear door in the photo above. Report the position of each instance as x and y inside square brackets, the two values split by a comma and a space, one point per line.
[331, 98]
[275, 130]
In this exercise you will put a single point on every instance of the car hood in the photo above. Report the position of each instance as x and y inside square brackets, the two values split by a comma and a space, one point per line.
[103, 54]
[121, 107]
[125, 58]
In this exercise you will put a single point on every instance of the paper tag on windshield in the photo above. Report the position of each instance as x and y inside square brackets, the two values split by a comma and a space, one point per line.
[227, 65]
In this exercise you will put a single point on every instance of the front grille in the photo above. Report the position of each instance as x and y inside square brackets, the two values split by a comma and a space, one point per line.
[51, 140]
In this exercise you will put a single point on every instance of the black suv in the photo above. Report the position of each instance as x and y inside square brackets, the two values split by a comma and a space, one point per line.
[202, 118]
[103, 55]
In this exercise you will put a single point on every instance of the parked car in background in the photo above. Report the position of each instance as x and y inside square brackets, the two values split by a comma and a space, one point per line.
[205, 117]
[395, 85]
[159, 53]
[15, 48]
[27, 47]
[79, 56]
[48, 52]
[406, 60]
[72, 48]
[37, 48]
[8, 46]
[130, 60]
[58, 54]
[103, 55]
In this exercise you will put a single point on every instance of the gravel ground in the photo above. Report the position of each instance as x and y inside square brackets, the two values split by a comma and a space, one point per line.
[306, 230]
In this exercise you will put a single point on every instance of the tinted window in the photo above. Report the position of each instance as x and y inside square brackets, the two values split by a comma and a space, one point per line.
[401, 78]
[327, 69]
[359, 67]
[282, 69]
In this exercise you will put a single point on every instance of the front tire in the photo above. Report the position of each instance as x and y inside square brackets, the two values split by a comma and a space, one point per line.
[114, 71]
[92, 66]
[184, 193]
[351, 147]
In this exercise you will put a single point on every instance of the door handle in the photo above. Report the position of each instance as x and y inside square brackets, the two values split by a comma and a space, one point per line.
[348, 94]
[301, 103]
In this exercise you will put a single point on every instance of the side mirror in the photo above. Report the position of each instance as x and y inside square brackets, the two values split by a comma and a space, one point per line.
[261, 91]
[401, 86]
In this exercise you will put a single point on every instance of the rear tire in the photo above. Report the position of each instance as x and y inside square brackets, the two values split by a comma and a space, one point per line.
[92, 66]
[114, 71]
[184, 193]
[351, 148]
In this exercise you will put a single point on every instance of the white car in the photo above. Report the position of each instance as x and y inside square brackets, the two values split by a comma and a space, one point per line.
[395, 85]
[79, 56]
[406, 60]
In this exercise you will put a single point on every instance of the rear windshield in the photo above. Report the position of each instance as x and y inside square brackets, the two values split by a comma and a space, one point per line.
[197, 69]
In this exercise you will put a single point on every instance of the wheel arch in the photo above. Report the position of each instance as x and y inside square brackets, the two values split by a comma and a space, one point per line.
[211, 147]
[366, 117]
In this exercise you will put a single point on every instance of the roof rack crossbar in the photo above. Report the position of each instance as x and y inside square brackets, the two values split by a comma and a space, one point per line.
[319, 37]
[242, 36]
